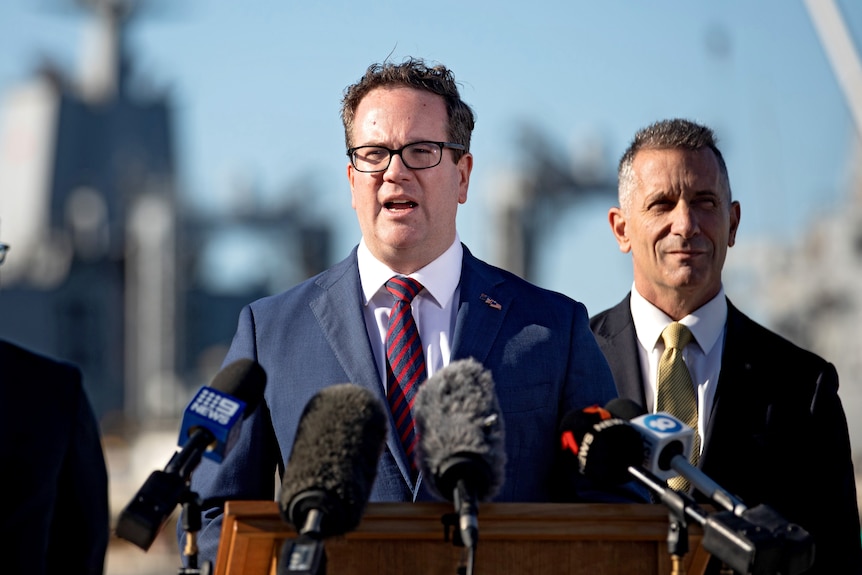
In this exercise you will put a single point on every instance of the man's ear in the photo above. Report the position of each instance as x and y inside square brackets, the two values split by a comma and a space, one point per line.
[735, 214]
[618, 226]
[351, 173]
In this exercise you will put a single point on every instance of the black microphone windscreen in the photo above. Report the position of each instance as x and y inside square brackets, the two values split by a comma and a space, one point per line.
[609, 449]
[243, 379]
[333, 463]
[580, 421]
[599, 445]
[625, 408]
[460, 429]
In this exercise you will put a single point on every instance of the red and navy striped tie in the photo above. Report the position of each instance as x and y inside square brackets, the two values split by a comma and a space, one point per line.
[405, 362]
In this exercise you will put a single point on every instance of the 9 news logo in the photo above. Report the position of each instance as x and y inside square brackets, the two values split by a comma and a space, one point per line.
[662, 423]
[214, 406]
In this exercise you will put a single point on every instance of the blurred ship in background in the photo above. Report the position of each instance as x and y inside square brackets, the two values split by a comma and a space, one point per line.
[104, 268]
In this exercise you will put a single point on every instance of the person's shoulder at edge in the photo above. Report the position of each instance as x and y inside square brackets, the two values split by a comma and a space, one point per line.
[19, 364]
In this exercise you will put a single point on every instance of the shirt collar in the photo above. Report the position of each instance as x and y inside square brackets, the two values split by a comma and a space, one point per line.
[706, 323]
[439, 278]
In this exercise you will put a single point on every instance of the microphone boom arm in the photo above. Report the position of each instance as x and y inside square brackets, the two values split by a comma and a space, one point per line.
[751, 541]
[706, 485]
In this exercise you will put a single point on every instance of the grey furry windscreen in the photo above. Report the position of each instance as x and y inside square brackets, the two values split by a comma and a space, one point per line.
[333, 464]
[458, 415]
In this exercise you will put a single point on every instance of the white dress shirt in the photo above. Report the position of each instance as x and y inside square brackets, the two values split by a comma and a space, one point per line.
[702, 355]
[434, 308]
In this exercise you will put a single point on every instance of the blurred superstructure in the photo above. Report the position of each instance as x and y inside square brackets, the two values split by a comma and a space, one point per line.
[815, 286]
[87, 199]
[547, 185]
[809, 289]
[104, 266]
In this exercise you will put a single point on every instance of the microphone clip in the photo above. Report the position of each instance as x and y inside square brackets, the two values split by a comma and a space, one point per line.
[451, 530]
[305, 555]
[191, 521]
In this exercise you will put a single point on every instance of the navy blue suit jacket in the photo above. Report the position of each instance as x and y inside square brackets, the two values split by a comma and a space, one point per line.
[777, 433]
[538, 346]
[55, 518]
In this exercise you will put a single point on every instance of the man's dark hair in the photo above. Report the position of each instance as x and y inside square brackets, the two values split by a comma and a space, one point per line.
[412, 73]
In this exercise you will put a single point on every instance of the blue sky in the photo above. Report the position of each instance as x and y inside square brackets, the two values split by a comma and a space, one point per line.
[257, 89]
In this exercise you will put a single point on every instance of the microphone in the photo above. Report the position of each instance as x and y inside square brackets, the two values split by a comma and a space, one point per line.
[667, 443]
[604, 447]
[461, 450]
[209, 429]
[234, 394]
[756, 540]
[332, 467]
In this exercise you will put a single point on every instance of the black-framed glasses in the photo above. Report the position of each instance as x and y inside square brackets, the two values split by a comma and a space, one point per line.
[416, 156]
[3, 249]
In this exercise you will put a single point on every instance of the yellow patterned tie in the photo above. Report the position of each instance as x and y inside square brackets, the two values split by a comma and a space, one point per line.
[676, 391]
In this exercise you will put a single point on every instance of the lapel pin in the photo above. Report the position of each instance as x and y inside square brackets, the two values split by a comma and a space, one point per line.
[493, 303]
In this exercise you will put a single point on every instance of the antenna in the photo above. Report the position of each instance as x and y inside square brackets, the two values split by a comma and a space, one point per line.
[838, 44]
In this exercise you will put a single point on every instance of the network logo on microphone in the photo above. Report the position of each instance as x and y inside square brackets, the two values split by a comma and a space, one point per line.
[662, 423]
[664, 436]
[215, 406]
[218, 413]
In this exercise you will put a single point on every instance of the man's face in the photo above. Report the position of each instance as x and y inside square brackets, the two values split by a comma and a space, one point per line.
[407, 217]
[678, 227]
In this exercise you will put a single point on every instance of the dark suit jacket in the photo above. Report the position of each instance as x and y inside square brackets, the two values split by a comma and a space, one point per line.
[55, 515]
[538, 347]
[777, 433]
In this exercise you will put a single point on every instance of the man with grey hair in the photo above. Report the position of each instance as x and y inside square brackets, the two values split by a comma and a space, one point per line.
[772, 425]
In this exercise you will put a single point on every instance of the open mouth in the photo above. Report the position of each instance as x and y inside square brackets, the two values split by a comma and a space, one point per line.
[400, 205]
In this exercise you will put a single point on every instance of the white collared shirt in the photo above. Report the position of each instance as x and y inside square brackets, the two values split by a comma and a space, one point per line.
[434, 308]
[702, 355]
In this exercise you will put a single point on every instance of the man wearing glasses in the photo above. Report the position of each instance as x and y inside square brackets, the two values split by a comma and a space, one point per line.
[56, 519]
[407, 135]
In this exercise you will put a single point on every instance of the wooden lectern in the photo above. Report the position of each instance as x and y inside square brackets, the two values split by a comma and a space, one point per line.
[518, 538]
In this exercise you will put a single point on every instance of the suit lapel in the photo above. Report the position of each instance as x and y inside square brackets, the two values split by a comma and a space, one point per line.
[482, 306]
[615, 334]
[339, 311]
[735, 390]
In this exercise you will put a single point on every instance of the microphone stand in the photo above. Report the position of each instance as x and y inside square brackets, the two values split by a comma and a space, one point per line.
[742, 545]
[792, 549]
[463, 475]
[677, 542]
[181, 465]
[465, 501]
[707, 485]
[468, 554]
[191, 518]
[679, 505]
[305, 555]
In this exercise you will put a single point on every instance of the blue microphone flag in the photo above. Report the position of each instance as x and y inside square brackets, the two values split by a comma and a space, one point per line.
[659, 432]
[217, 412]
